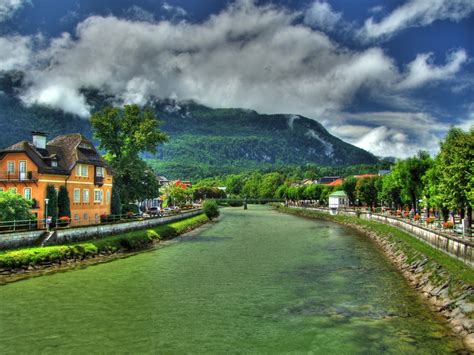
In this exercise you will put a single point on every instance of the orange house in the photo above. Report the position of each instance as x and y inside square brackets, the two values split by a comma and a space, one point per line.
[71, 160]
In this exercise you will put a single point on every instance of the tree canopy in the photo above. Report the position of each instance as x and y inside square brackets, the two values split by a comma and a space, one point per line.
[125, 134]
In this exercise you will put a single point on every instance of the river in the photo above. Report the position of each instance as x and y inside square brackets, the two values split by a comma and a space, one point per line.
[256, 281]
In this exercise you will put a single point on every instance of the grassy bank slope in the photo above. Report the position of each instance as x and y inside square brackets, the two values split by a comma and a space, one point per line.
[135, 240]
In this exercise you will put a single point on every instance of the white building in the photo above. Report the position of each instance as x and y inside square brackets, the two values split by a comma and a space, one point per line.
[337, 200]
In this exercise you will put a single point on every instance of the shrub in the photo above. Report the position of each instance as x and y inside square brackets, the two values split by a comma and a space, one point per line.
[430, 220]
[235, 203]
[448, 225]
[211, 210]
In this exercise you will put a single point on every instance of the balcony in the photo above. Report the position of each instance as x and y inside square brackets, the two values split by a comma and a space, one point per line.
[19, 177]
[98, 180]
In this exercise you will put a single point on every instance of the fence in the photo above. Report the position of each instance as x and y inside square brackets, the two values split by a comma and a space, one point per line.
[40, 224]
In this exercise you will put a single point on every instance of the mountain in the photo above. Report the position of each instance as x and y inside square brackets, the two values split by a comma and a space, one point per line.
[203, 141]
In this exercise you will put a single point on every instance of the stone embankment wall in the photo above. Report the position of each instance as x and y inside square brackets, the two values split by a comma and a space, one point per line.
[68, 235]
[459, 248]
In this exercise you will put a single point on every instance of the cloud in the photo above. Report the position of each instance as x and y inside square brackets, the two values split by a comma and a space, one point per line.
[247, 56]
[321, 15]
[254, 57]
[137, 13]
[175, 11]
[386, 133]
[9, 7]
[416, 13]
[15, 53]
[422, 70]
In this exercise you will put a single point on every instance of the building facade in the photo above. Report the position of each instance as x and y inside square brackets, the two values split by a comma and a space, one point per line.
[71, 160]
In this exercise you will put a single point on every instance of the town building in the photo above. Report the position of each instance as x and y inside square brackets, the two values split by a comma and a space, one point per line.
[337, 200]
[70, 160]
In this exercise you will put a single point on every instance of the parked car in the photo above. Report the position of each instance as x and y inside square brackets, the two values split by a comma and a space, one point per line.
[153, 211]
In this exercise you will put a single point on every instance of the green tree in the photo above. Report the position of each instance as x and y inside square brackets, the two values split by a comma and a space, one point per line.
[349, 187]
[366, 191]
[409, 173]
[64, 205]
[269, 184]
[211, 209]
[176, 195]
[116, 204]
[234, 184]
[52, 196]
[14, 207]
[391, 191]
[456, 171]
[124, 135]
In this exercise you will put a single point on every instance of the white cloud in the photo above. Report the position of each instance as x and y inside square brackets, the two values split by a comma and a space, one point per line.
[422, 70]
[321, 15]
[247, 56]
[399, 134]
[376, 9]
[9, 7]
[137, 13]
[175, 11]
[15, 52]
[416, 13]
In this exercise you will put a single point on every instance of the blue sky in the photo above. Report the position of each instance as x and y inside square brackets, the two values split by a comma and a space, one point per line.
[389, 76]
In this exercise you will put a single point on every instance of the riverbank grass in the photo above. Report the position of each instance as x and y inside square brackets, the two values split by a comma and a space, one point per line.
[412, 247]
[140, 239]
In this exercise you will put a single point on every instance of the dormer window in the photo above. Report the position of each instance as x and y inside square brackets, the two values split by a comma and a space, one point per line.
[99, 171]
[54, 163]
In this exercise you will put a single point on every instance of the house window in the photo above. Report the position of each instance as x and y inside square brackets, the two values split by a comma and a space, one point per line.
[98, 195]
[85, 195]
[1, 189]
[27, 193]
[10, 167]
[77, 195]
[54, 163]
[76, 217]
[108, 197]
[99, 172]
[82, 170]
[13, 189]
[86, 216]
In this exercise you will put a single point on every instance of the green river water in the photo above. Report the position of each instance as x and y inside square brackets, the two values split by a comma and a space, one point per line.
[256, 281]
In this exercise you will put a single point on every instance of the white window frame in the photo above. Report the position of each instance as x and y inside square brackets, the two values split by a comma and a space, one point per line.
[101, 169]
[85, 195]
[11, 164]
[77, 195]
[82, 170]
[101, 196]
[30, 192]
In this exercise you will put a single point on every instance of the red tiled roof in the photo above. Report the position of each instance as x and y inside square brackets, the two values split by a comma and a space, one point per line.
[336, 182]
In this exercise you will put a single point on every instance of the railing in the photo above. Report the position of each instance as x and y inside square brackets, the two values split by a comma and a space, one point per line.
[437, 225]
[28, 176]
[16, 226]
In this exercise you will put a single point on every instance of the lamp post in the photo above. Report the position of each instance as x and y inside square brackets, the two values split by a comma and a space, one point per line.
[46, 201]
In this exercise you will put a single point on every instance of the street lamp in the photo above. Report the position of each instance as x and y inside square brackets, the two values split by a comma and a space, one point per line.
[46, 201]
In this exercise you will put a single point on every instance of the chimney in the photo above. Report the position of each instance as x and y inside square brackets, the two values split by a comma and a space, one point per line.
[39, 139]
